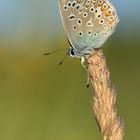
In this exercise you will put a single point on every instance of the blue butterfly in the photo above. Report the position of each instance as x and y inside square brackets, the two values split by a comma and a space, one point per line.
[88, 24]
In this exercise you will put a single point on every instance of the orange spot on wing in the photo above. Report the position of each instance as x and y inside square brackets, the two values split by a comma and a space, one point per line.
[107, 13]
[103, 9]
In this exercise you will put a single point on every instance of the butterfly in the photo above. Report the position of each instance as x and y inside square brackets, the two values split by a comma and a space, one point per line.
[88, 24]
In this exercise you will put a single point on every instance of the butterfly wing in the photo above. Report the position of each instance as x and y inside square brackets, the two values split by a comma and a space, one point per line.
[69, 14]
[88, 23]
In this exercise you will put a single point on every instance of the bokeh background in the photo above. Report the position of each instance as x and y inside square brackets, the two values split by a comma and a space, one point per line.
[40, 100]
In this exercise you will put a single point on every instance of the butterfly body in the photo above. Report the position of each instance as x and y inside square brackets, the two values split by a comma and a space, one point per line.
[88, 24]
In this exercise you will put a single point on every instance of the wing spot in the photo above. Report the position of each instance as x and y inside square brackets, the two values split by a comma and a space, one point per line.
[99, 16]
[74, 27]
[79, 21]
[80, 11]
[101, 21]
[96, 11]
[77, 7]
[65, 7]
[92, 9]
[85, 14]
[73, 4]
[69, 4]
[89, 23]
[89, 32]
[100, 2]
[105, 6]
[109, 11]
[87, 4]
[80, 33]
[72, 17]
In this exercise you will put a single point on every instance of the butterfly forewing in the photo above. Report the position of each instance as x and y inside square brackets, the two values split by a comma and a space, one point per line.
[69, 13]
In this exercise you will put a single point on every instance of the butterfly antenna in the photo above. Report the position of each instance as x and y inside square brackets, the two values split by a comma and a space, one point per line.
[49, 53]
[61, 62]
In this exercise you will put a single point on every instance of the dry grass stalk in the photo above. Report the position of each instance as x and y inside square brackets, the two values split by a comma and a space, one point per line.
[104, 98]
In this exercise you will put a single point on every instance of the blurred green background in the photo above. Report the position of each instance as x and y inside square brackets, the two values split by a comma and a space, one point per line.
[40, 100]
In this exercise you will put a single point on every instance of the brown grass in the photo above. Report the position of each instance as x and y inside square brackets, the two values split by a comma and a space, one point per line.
[104, 98]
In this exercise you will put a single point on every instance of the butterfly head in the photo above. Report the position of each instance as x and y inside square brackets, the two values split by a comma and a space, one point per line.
[73, 53]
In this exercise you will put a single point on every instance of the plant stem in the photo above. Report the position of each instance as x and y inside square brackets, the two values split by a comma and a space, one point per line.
[104, 98]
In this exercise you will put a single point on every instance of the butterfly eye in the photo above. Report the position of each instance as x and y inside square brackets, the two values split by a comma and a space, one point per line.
[72, 52]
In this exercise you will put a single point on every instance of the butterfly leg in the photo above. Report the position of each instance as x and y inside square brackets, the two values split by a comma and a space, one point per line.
[83, 62]
[88, 80]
